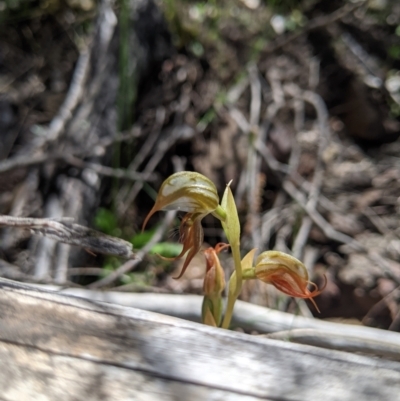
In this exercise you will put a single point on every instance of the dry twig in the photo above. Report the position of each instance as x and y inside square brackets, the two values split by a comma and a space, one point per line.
[72, 99]
[315, 187]
[316, 23]
[73, 234]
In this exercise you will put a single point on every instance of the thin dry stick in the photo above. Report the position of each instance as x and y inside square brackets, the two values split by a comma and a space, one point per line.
[72, 99]
[369, 68]
[253, 159]
[146, 148]
[244, 126]
[291, 190]
[130, 264]
[23, 196]
[281, 237]
[73, 234]
[283, 169]
[22, 161]
[236, 91]
[316, 23]
[255, 88]
[13, 272]
[342, 342]
[109, 171]
[85, 271]
[377, 308]
[71, 195]
[133, 133]
[46, 245]
[326, 228]
[275, 217]
[61, 263]
[384, 266]
[315, 187]
[73, 160]
[377, 221]
[169, 139]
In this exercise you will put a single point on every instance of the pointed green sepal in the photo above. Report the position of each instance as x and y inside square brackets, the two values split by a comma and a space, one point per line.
[231, 225]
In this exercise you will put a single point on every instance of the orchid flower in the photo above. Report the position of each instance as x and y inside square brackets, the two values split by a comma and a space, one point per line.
[214, 284]
[214, 280]
[193, 193]
[287, 274]
[196, 195]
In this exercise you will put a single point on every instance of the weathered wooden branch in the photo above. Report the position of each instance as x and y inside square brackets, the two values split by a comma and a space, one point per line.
[250, 317]
[56, 347]
[72, 234]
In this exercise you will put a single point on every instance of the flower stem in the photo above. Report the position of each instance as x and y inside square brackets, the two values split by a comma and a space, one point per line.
[235, 286]
[219, 213]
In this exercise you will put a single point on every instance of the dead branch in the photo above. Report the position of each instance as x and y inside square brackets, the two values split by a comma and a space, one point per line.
[316, 184]
[22, 161]
[316, 217]
[118, 353]
[46, 245]
[109, 171]
[73, 234]
[72, 98]
[340, 341]
[73, 160]
[284, 326]
[316, 23]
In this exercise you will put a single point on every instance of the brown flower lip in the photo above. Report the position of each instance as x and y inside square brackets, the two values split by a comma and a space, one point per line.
[292, 285]
[214, 280]
[287, 274]
[191, 236]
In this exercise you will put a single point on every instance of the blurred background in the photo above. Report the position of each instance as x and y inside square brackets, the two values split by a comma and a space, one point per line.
[297, 102]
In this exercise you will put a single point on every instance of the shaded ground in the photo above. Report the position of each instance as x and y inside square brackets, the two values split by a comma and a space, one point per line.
[305, 122]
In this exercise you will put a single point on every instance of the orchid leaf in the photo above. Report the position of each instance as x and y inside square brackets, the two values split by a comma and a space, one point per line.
[247, 261]
[232, 225]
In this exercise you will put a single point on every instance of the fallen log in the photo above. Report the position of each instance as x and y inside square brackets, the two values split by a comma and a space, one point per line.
[57, 347]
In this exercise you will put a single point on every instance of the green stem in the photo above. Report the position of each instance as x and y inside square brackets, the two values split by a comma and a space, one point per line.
[229, 311]
[219, 213]
[233, 293]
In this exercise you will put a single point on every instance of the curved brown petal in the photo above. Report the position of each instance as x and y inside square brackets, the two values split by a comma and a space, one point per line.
[191, 236]
[291, 283]
[214, 279]
[211, 254]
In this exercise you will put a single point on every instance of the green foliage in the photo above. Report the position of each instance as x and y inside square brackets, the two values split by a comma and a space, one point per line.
[394, 52]
[208, 117]
[140, 239]
[127, 72]
[167, 249]
[283, 6]
[106, 221]
[17, 10]
[140, 279]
